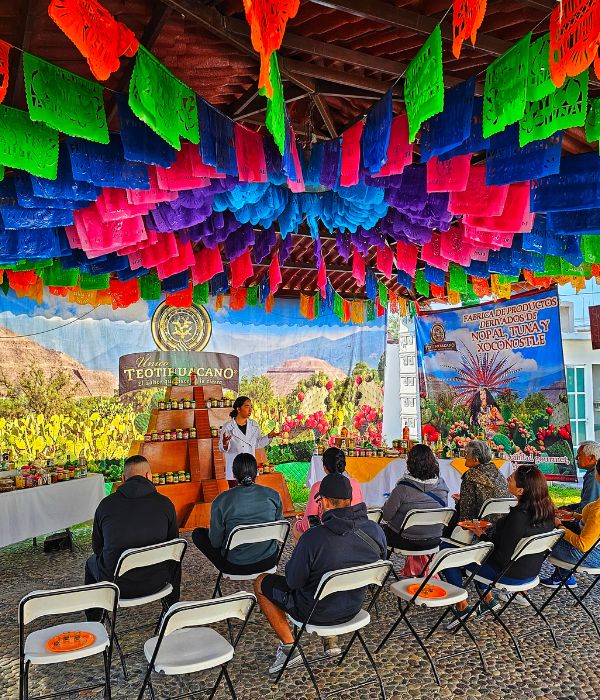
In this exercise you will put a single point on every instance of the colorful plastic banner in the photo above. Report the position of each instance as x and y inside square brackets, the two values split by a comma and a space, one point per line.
[467, 18]
[27, 145]
[574, 39]
[539, 80]
[4, 69]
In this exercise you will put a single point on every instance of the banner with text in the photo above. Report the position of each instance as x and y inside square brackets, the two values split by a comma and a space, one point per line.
[496, 372]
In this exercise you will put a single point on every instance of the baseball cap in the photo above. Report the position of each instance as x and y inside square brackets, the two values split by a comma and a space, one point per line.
[336, 486]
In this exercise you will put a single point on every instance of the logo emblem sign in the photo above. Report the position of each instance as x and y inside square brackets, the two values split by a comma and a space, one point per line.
[438, 340]
[175, 328]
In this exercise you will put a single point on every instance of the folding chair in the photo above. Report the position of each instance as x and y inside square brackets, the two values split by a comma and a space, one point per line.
[154, 554]
[374, 513]
[32, 648]
[572, 569]
[493, 506]
[424, 516]
[527, 546]
[349, 579]
[409, 590]
[187, 644]
[277, 531]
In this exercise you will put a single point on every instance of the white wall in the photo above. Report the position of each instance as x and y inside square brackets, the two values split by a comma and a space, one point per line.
[392, 428]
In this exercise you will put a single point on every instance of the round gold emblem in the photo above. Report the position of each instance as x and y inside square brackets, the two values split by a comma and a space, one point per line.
[176, 328]
[438, 333]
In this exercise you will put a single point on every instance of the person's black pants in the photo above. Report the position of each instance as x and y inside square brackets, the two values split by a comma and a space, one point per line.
[396, 541]
[201, 540]
[148, 580]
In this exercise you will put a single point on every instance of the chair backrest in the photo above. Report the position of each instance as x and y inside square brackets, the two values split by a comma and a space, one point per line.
[352, 578]
[173, 550]
[424, 516]
[67, 600]
[374, 513]
[456, 558]
[258, 532]
[536, 544]
[496, 506]
[207, 612]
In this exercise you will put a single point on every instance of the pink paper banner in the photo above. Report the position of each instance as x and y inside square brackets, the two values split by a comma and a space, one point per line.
[241, 269]
[478, 199]
[184, 174]
[449, 175]
[113, 205]
[406, 257]
[385, 261]
[322, 279]
[275, 278]
[431, 253]
[164, 249]
[359, 268]
[351, 155]
[181, 262]
[208, 264]
[250, 155]
[515, 218]
[152, 196]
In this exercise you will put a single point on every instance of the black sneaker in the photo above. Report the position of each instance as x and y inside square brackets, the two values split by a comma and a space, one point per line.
[283, 651]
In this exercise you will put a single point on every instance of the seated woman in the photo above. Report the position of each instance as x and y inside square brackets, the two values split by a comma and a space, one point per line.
[532, 515]
[420, 488]
[334, 462]
[573, 544]
[245, 504]
[480, 482]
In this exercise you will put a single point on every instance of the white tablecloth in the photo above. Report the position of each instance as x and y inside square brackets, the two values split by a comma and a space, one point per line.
[42, 510]
[376, 491]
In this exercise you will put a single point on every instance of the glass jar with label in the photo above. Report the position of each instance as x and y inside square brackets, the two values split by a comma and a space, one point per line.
[221, 403]
[193, 404]
[175, 477]
[179, 434]
[161, 479]
[187, 404]
[175, 380]
[155, 479]
[154, 436]
[167, 405]
[60, 474]
[182, 476]
[181, 405]
[186, 434]
[192, 433]
[188, 476]
[167, 435]
[161, 436]
[147, 437]
[161, 405]
[169, 477]
[208, 403]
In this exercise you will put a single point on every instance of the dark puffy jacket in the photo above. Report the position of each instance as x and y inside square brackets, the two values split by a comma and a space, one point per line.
[412, 494]
[333, 545]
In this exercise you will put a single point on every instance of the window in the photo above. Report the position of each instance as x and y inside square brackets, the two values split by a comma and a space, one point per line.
[576, 394]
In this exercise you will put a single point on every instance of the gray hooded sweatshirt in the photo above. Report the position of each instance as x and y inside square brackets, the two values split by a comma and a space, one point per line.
[411, 494]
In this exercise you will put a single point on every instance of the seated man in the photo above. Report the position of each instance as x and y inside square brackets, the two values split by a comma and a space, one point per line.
[136, 515]
[587, 457]
[247, 503]
[345, 537]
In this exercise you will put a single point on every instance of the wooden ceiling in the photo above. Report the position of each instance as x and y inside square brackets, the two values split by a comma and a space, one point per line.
[337, 58]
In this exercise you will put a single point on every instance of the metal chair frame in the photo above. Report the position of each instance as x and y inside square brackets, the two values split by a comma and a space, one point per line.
[298, 633]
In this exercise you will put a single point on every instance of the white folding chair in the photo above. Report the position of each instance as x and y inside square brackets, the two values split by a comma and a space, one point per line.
[409, 590]
[140, 557]
[493, 506]
[187, 644]
[349, 579]
[527, 546]
[374, 513]
[570, 570]
[32, 648]
[276, 531]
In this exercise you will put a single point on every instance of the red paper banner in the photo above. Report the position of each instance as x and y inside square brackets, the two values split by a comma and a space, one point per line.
[4, 51]
[574, 39]
[467, 17]
[95, 32]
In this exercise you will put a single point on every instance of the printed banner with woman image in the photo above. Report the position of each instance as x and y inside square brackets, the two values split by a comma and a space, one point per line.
[496, 372]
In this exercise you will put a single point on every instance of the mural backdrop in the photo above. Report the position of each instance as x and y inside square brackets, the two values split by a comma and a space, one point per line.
[496, 372]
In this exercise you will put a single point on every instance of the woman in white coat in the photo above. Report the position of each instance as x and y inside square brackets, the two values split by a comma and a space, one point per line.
[241, 434]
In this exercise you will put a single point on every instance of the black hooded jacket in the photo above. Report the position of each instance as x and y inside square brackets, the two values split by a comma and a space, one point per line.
[136, 515]
[333, 545]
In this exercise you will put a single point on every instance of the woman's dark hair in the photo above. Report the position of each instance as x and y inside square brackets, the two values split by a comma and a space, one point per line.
[237, 404]
[334, 460]
[535, 493]
[422, 464]
[245, 469]
[476, 404]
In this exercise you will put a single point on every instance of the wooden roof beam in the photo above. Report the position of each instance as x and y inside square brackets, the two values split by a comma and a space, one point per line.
[325, 113]
[17, 89]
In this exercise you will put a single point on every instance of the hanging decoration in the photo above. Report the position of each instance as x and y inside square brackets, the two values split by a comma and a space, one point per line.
[162, 101]
[100, 38]
[592, 122]
[275, 117]
[467, 18]
[64, 101]
[268, 20]
[424, 84]
[564, 108]
[4, 69]
[376, 134]
[539, 80]
[27, 145]
[505, 91]
[350, 163]
[574, 39]
[400, 150]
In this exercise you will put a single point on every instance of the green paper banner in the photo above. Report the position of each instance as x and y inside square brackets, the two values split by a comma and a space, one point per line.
[539, 82]
[507, 279]
[1, 173]
[252, 296]
[592, 123]
[89, 282]
[316, 305]
[64, 101]
[27, 145]
[564, 108]
[275, 118]
[162, 101]
[338, 306]
[383, 294]
[149, 286]
[424, 83]
[421, 284]
[200, 294]
[590, 249]
[505, 91]
[55, 276]
[370, 310]
[457, 279]
[551, 267]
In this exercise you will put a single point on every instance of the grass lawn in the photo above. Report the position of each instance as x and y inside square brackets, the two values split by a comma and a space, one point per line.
[563, 495]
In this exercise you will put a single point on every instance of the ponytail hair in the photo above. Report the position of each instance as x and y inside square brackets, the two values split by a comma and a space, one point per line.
[334, 460]
[245, 469]
[237, 404]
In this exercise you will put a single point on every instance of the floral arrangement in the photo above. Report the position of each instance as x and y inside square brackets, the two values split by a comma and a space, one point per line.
[430, 434]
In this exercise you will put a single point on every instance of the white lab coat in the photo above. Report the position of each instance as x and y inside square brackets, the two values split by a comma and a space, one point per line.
[240, 443]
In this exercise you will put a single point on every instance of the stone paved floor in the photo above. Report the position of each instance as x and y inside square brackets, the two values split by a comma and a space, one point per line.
[547, 674]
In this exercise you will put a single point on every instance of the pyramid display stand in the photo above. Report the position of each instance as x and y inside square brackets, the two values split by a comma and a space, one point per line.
[200, 456]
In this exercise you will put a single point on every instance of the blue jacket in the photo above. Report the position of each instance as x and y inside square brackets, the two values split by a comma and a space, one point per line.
[333, 545]
[590, 491]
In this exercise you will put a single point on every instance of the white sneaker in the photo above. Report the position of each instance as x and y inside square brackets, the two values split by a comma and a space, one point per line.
[283, 651]
[504, 596]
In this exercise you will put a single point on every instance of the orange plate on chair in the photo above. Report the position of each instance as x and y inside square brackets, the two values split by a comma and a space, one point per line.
[469, 524]
[70, 641]
[566, 516]
[428, 591]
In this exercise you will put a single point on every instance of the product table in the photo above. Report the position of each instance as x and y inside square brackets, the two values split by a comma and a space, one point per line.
[42, 510]
[378, 475]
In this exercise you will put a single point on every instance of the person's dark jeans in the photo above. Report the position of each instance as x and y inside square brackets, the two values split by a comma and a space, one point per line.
[214, 555]
[397, 541]
[151, 583]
